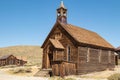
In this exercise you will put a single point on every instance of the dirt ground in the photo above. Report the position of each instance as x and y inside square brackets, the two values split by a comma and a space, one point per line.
[5, 75]
[102, 75]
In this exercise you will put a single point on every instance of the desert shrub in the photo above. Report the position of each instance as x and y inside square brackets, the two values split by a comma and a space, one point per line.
[18, 71]
[59, 78]
[114, 77]
[55, 78]
[70, 79]
[28, 70]
[21, 70]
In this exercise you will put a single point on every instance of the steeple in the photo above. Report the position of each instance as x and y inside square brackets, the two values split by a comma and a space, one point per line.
[62, 13]
[62, 4]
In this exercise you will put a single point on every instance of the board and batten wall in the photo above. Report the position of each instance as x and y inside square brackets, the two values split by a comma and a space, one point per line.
[90, 59]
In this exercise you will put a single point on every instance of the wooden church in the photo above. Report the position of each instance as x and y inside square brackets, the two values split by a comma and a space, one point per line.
[72, 50]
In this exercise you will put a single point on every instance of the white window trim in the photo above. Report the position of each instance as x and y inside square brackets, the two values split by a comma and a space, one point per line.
[109, 56]
[100, 56]
[68, 54]
[88, 54]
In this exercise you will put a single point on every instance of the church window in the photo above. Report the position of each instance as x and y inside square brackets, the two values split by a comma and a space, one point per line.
[58, 14]
[68, 52]
[100, 51]
[88, 53]
[109, 56]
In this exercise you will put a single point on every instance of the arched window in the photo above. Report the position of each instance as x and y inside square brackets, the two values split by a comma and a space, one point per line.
[68, 52]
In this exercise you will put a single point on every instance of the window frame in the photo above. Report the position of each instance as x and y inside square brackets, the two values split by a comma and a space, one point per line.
[68, 53]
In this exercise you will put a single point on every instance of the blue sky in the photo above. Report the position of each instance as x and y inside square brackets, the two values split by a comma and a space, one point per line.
[28, 22]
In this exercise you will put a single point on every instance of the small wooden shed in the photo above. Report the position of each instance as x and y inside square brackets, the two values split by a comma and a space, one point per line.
[118, 51]
[11, 60]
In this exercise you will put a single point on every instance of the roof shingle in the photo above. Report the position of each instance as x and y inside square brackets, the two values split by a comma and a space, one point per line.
[118, 49]
[85, 36]
[5, 56]
[56, 44]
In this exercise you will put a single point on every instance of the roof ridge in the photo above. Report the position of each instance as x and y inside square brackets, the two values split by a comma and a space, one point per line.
[82, 28]
[83, 35]
[118, 48]
[5, 56]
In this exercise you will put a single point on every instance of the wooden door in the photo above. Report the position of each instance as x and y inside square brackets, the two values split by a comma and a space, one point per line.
[50, 55]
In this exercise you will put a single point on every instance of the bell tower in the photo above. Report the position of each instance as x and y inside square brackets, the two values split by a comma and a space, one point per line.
[62, 13]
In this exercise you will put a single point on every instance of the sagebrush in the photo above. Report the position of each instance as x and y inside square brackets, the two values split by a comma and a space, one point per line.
[114, 77]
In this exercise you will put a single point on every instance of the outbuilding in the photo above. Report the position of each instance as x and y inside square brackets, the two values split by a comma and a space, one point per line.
[11, 60]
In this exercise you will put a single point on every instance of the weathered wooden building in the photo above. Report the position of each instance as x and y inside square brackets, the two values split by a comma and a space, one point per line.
[11, 60]
[69, 49]
[118, 51]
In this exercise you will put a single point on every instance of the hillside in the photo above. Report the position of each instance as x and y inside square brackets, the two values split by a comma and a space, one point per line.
[32, 54]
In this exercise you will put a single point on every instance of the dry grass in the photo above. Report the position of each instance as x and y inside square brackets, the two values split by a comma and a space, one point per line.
[22, 71]
[59, 78]
[115, 76]
[32, 54]
[102, 74]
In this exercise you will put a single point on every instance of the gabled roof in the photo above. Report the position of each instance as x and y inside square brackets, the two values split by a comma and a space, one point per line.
[5, 56]
[56, 44]
[118, 49]
[85, 36]
[82, 36]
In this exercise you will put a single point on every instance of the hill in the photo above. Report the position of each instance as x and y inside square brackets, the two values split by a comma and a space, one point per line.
[32, 54]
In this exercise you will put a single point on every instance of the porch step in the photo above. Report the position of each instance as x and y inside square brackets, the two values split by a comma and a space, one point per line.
[44, 73]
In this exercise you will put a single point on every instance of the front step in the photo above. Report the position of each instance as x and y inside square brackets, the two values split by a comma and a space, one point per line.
[44, 73]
